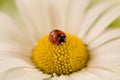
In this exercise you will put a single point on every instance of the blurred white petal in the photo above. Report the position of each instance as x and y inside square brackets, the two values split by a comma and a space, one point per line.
[13, 55]
[36, 15]
[9, 62]
[14, 48]
[11, 32]
[59, 10]
[23, 74]
[106, 55]
[105, 37]
[62, 77]
[12, 70]
[114, 68]
[104, 74]
[84, 75]
[75, 15]
[95, 73]
[102, 24]
[91, 16]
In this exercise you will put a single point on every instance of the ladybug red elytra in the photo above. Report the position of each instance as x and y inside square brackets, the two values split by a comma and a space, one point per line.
[57, 37]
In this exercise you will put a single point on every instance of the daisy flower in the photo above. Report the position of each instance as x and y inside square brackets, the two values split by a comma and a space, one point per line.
[61, 40]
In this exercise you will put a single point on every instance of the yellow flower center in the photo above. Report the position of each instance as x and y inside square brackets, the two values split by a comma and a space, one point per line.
[62, 59]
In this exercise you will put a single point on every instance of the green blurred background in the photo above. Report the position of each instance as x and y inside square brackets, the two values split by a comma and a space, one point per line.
[9, 7]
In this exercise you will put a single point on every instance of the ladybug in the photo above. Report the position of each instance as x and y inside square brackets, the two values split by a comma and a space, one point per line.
[57, 37]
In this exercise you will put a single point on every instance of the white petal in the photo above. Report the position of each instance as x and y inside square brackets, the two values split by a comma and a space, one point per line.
[36, 16]
[12, 70]
[10, 31]
[91, 17]
[62, 77]
[8, 62]
[23, 74]
[14, 48]
[59, 9]
[114, 68]
[102, 24]
[55, 78]
[106, 55]
[13, 56]
[104, 74]
[76, 14]
[107, 36]
[84, 75]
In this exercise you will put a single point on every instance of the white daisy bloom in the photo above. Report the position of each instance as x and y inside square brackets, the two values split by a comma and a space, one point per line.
[89, 24]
